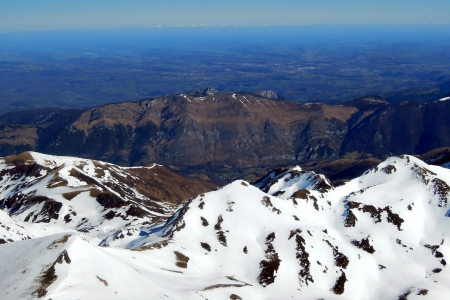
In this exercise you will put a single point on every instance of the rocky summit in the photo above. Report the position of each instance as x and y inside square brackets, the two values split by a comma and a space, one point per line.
[292, 235]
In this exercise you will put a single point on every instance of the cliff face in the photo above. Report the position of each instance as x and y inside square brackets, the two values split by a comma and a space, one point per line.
[228, 130]
[221, 129]
[404, 127]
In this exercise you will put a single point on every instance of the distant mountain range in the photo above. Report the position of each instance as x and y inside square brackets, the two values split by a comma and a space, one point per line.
[210, 132]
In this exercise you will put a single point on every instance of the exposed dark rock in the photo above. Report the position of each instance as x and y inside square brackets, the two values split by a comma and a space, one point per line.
[339, 286]
[204, 221]
[393, 218]
[109, 200]
[340, 260]
[294, 232]
[405, 295]
[136, 211]
[19, 203]
[375, 213]
[302, 194]
[436, 270]
[350, 219]
[442, 189]
[434, 251]
[47, 277]
[68, 218]
[389, 169]
[219, 222]
[422, 292]
[221, 238]
[266, 201]
[303, 260]
[364, 244]
[206, 246]
[269, 267]
[201, 205]
[181, 260]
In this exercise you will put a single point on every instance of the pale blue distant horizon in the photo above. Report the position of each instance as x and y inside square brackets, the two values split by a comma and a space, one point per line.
[23, 15]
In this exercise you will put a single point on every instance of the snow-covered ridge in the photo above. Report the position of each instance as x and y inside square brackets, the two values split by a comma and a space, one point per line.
[285, 182]
[383, 235]
[392, 222]
[103, 200]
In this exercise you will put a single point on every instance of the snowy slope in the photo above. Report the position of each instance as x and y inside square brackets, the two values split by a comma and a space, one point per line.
[67, 266]
[67, 193]
[295, 183]
[378, 237]
[383, 235]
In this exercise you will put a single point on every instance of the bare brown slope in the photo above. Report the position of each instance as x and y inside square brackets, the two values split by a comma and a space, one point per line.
[437, 156]
[340, 171]
[155, 182]
[214, 132]
[224, 130]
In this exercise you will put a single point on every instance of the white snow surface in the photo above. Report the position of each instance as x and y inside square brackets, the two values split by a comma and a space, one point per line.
[380, 236]
[79, 211]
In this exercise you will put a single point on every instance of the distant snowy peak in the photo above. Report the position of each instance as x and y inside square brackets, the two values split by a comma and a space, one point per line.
[284, 183]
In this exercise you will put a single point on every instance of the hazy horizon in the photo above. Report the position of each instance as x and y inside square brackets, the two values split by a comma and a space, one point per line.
[307, 33]
[53, 14]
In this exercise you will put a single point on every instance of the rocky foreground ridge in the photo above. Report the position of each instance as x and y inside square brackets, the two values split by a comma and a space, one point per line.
[216, 131]
[100, 199]
[383, 235]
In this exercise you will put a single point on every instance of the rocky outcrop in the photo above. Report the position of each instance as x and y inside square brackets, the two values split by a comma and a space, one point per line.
[267, 94]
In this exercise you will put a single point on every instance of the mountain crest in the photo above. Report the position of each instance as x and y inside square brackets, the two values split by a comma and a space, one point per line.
[89, 196]
[310, 242]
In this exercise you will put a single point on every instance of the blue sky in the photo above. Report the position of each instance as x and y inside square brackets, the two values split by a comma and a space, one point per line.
[54, 14]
